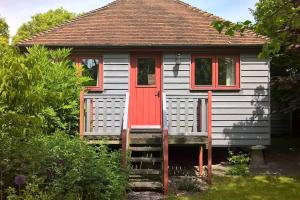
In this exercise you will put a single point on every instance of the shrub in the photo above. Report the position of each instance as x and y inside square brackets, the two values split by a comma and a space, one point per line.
[39, 91]
[188, 184]
[238, 164]
[60, 167]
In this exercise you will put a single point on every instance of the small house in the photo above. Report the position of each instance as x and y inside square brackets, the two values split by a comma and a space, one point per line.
[163, 76]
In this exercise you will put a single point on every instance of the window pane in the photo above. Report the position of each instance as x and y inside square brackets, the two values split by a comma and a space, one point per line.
[203, 71]
[90, 68]
[146, 71]
[226, 71]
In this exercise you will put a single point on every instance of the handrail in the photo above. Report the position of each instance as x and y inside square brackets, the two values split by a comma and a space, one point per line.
[209, 135]
[165, 144]
[125, 130]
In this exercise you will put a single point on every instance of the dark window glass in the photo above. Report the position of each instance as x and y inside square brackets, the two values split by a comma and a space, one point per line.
[90, 68]
[226, 71]
[146, 71]
[203, 71]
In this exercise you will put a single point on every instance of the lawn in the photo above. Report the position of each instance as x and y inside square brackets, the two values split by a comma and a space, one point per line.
[250, 188]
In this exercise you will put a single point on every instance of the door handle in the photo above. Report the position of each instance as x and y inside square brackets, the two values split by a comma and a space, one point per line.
[157, 94]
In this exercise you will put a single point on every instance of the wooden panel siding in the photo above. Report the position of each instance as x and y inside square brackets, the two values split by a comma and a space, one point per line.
[115, 73]
[238, 117]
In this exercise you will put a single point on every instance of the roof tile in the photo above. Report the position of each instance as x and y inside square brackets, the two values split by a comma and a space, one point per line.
[142, 23]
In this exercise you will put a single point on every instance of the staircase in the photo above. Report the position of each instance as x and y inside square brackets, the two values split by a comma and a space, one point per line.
[146, 150]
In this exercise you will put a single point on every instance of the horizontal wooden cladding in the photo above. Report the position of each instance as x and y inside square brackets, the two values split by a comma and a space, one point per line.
[236, 115]
[240, 142]
[116, 73]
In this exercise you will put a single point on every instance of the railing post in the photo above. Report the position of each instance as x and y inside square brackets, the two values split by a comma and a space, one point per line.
[165, 146]
[125, 130]
[81, 114]
[209, 137]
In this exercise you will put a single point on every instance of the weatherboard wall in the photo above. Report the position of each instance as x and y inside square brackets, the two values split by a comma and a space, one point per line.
[239, 117]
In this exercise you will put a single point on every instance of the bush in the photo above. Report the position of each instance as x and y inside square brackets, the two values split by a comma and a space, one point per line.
[40, 155]
[39, 91]
[238, 164]
[188, 184]
[60, 167]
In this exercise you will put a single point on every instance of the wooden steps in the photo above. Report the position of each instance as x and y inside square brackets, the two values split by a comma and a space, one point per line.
[146, 159]
[146, 185]
[145, 148]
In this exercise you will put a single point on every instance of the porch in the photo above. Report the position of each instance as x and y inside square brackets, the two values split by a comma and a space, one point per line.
[186, 120]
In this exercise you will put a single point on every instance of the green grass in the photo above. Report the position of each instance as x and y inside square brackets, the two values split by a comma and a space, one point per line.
[250, 188]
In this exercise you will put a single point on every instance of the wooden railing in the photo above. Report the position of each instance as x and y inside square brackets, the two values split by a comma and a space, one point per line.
[187, 114]
[165, 145]
[125, 130]
[102, 114]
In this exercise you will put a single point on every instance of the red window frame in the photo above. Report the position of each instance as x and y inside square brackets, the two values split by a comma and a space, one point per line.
[99, 87]
[215, 85]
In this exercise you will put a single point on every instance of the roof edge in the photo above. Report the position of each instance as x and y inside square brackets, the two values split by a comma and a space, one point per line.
[150, 46]
[69, 21]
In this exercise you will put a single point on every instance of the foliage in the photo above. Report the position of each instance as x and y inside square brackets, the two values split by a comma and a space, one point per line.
[60, 167]
[42, 22]
[238, 164]
[188, 184]
[250, 188]
[39, 91]
[279, 20]
[4, 33]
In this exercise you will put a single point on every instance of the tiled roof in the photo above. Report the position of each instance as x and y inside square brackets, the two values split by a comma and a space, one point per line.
[144, 23]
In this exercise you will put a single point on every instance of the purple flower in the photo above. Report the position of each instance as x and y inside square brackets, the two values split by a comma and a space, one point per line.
[20, 180]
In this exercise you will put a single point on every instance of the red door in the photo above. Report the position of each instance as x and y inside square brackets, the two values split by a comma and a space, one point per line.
[145, 91]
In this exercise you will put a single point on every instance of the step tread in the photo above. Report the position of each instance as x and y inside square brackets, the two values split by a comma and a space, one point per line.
[146, 185]
[147, 130]
[144, 136]
[146, 171]
[145, 148]
[145, 159]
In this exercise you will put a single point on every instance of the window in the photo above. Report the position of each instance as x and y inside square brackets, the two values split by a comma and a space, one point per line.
[92, 68]
[146, 72]
[226, 71]
[215, 72]
[203, 71]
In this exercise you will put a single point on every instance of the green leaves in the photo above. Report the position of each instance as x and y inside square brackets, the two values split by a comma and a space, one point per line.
[39, 87]
[4, 32]
[230, 28]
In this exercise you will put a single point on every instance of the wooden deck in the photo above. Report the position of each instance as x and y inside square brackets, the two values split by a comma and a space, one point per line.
[186, 121]
[172, 140]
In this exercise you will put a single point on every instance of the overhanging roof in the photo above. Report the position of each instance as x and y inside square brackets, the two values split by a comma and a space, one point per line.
[142, 23]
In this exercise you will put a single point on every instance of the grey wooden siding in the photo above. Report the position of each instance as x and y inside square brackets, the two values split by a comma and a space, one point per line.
[239, 117]
[116, 73]
[108, 106]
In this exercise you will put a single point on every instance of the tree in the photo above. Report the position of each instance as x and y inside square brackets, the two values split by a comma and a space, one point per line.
[279, 20]
[42, 22]
[4, 33]
[39, 91]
